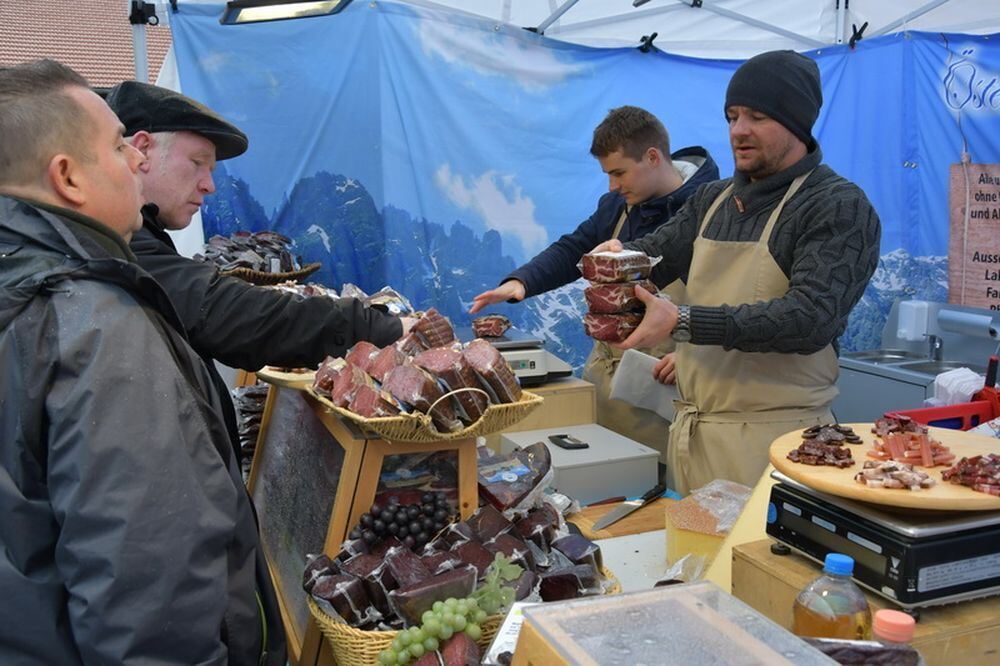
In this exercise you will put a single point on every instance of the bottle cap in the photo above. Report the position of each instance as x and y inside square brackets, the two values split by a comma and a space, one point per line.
[893, 625]
[839, 564]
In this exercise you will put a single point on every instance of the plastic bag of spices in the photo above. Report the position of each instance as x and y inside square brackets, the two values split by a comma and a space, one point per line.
[697, 524]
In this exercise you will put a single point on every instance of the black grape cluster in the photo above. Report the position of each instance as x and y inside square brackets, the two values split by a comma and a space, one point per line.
[413, 524]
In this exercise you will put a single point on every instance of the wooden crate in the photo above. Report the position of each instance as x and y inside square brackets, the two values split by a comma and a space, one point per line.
[962, 633]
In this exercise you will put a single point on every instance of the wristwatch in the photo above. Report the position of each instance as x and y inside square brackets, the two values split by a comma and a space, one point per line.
[682, 331]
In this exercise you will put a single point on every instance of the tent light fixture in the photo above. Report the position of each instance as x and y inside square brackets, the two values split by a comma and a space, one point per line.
[254, 11]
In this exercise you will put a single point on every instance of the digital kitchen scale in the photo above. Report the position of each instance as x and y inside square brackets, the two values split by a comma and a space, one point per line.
[912, 558]
[532, 364]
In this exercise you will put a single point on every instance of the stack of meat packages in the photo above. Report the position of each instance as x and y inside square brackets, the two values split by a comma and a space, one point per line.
[615, 310]
[416, 372]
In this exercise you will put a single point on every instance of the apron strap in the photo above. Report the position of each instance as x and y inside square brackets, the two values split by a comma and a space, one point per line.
[620, 223]
[723, 195]
[765, 235]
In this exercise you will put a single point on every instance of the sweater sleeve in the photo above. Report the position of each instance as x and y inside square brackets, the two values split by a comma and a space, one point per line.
[673, 242]
[834, 254]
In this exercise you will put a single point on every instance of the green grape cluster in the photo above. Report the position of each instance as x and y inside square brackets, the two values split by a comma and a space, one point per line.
[441, 622]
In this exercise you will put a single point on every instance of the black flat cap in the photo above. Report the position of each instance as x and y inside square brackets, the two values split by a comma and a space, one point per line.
[141, 106]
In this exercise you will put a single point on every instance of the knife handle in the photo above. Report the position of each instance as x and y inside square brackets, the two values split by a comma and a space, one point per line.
[991, 372]
[653, 493]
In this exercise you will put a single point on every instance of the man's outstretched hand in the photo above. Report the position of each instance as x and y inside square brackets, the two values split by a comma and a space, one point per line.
[509, 290]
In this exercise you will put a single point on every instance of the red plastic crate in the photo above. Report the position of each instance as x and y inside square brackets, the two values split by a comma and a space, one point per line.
[957, 417]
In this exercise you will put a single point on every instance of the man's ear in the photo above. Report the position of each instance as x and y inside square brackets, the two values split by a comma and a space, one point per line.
[143, 141]
[654, 156]
[67, 179]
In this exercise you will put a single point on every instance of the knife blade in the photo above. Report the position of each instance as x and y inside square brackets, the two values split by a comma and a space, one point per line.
[628, 507]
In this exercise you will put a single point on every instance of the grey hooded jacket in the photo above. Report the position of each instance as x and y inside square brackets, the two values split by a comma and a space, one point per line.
[126, 535]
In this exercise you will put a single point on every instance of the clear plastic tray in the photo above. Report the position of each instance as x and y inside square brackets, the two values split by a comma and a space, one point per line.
[689, 624]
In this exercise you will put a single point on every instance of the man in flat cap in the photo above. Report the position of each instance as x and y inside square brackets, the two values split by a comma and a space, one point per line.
[776, 258]
[241, 325]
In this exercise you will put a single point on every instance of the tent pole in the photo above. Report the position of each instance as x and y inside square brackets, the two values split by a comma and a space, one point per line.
[139, 51]
[919, 11]
[841, 20]
[554, 16]
[736, 16]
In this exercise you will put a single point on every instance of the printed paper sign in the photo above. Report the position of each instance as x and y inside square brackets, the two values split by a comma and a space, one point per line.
[974, 243]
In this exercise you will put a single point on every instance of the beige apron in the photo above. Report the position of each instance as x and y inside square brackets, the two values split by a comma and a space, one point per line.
[734, 403]
[640, 425]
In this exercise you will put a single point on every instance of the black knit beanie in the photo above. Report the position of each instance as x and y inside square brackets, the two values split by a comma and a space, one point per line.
[782, 84]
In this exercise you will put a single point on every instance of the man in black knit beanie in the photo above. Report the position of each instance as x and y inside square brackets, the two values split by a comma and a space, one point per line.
[776, 258]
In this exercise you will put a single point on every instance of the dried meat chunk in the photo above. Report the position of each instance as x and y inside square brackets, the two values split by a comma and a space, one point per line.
[411, 344]
[615, 266]
[406, 567]
[611, 327]
[411, 602]
[487, 523]
[614, 297]
[347, 597]
[361, 354]
[449, 366]
[490, 326]
[347, 383]
[506, 480]
[415, 388]
[434, 329]
[385, 360]
[514, 549]
[373, 403]
[539, 527]
[476, 554]
[327, 374]
[493, 371]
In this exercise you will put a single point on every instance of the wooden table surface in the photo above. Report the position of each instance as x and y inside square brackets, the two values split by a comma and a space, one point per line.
[647, 519]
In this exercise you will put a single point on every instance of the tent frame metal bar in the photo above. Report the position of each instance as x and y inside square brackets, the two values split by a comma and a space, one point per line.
[916, 13]
[554, 16]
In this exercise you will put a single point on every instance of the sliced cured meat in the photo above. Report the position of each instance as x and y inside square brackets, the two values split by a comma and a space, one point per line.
[347, 383]
[615, 266]
[385, 360]
[328, 372]
[411, 344]
[611, 327]
[434, 329]
[892, 474]
[492, 370]
[450, 366]
[414, 387]
[981, 473]
[616, 296]
[490, 326]
[373, 403]
[361, 354]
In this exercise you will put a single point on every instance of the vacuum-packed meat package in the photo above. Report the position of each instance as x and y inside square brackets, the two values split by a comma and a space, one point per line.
[411, 344]
[417, 389]
[449, 366]
[579, 549]
[490, 326]
[372, 403]
[385, 360]
[568, 583]
[440, 562]
[539, 526]
[347, 596]
[611, 327]
[434, 329]
[487, 523]
[361, 354]
[369, 568]
[493, 371]
[411, 602]
[391, 301]
[611, 297]
[514, 549]
[317, 567]
[616, 266]
[475, 553]
[327, 374]
[506, 480]
[406, 567]
[347, 383]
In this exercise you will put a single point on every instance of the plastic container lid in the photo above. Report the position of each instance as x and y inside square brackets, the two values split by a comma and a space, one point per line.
[893, 625]
[837, 563]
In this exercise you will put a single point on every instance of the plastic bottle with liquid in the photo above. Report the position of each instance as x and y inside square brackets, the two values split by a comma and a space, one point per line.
[832, 606]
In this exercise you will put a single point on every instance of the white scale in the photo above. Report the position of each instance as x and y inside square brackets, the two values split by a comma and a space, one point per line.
[912, 558]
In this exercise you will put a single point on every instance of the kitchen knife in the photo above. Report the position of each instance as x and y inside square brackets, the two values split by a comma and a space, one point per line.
[628, 507]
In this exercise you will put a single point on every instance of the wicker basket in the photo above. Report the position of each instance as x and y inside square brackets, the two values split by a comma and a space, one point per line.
[262, 278]
[354, 647]
[417, 427]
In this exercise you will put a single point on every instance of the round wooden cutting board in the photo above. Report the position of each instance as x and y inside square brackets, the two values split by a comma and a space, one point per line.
[942, 496]
[293, 380]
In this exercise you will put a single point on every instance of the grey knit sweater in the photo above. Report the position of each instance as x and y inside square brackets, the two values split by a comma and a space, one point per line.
[826, 241]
